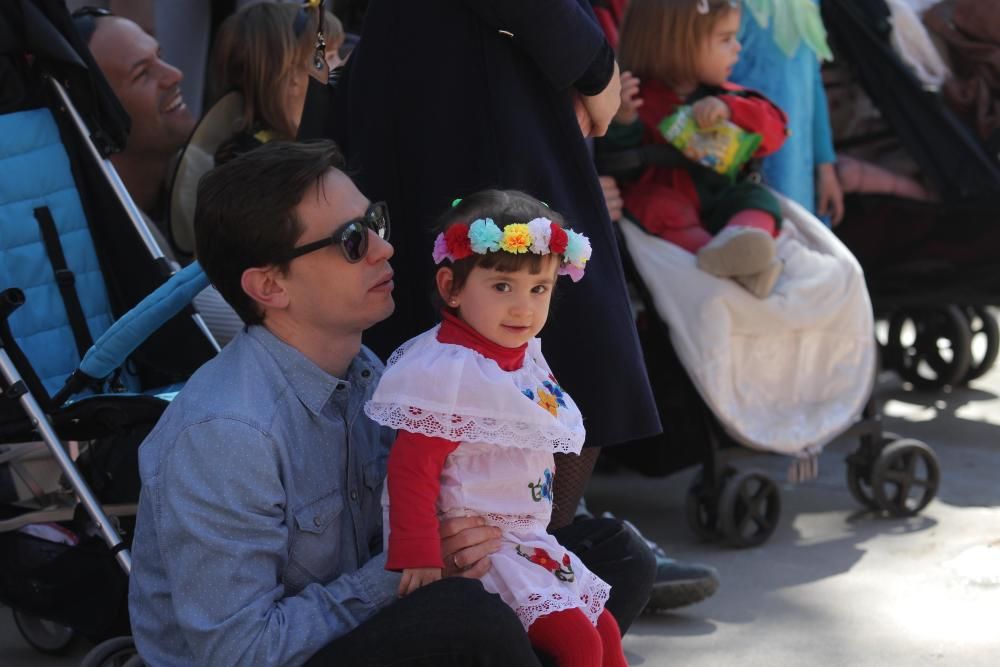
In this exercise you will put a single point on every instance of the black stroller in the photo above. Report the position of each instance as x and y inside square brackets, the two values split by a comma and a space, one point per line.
[75, 255]
[886, 473]
[931, 267]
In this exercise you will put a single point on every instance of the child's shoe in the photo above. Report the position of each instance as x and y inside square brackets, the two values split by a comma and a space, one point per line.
[737, 251]
[760, 284]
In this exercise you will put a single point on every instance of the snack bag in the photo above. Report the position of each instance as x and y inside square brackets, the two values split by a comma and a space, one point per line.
[724, 148]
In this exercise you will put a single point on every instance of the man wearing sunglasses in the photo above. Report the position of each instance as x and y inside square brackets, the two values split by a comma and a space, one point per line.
[258, 538]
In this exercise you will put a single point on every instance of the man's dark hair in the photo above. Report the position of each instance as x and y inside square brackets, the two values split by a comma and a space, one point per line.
[85, 21]
[245, 213]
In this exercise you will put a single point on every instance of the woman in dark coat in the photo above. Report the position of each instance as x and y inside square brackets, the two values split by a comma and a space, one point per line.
[442, 98]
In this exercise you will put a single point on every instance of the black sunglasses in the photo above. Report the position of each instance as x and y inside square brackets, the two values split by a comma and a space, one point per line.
[352, 236]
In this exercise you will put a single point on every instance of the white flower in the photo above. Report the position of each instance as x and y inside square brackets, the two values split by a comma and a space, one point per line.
[541, 234]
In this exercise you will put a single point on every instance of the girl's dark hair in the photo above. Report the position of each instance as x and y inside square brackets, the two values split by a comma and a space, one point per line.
[504, 207]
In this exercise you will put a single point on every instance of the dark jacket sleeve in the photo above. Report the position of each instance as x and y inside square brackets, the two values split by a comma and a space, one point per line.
[562, 37]
[317, 113]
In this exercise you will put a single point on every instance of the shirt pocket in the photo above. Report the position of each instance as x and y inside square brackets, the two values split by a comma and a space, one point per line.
[315, 550]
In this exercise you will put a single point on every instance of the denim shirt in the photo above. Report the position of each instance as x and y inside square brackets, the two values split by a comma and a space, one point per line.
[259, 532]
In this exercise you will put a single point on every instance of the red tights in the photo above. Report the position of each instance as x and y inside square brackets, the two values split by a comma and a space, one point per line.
[570, 638]
[693, 238]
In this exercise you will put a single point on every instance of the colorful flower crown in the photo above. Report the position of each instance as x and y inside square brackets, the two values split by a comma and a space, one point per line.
[540, 236]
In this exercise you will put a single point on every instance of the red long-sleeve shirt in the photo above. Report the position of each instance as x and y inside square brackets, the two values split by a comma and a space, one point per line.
[415, 464]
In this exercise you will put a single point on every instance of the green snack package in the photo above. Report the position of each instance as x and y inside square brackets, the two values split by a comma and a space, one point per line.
[724, 147]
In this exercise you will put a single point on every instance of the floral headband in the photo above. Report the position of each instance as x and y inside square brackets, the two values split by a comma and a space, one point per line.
[540, 236]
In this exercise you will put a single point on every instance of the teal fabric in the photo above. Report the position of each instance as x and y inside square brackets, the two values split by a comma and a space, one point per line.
[35, 172]
[794, 84]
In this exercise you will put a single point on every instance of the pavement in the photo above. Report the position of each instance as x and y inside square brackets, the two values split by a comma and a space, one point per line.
[835, 584]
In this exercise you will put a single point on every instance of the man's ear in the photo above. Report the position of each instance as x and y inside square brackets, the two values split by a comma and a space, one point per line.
[445, 281]
[262, 285]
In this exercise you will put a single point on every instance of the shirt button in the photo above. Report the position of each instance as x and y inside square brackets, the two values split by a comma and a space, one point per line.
[365, 373]
[340, 385]
[317, 521]
[354, 495]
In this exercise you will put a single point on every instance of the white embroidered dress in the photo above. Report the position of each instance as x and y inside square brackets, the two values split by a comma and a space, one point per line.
[508, 424]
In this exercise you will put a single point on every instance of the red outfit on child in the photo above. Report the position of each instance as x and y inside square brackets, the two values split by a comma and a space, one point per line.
[414, 471]
[673, 202]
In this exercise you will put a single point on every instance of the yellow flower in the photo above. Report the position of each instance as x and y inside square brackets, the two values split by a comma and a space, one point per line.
[516, 238]
[548, 401]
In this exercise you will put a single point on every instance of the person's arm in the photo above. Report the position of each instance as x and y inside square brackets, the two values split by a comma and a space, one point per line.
[562, 37]
[823, 151]
[414, 480]
[829, 193]
[221, 526]
[756, 113]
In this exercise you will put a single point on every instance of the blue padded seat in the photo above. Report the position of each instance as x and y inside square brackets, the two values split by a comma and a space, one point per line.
[35, 172]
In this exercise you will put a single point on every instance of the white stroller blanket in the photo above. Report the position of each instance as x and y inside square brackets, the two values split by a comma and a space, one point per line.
[783, 374]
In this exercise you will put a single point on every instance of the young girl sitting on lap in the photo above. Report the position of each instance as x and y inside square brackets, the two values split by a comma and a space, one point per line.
[699, 198]
[479, 416]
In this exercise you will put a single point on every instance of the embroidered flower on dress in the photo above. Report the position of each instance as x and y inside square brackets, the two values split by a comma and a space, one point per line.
[484, 236]
[530, 394]
[563, 571]
[549, 402]
[542, 490]
[516, 239]
[556, 391]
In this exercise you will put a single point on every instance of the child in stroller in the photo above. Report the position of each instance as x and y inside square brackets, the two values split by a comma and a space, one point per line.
[700, 199]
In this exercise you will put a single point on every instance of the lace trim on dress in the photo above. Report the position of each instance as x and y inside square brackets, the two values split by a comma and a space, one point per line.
[515, 522]
[590, 601]
[461, 428]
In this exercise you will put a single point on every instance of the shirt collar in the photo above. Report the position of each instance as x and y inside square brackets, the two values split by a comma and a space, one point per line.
[313, 386]
[455, 331]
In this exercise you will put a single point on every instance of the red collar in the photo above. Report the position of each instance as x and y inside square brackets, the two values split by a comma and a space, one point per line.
[457, 332]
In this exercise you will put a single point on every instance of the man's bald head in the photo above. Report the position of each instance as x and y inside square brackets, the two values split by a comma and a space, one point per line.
[148, 88]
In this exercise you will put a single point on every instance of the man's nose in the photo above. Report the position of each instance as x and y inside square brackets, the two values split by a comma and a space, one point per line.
[170, 76]
[379, 249]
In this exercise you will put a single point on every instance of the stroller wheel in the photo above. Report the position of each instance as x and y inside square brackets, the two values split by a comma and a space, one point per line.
[859, 469]
[749, 509]
[931, 346]
[115, 652]
[859, 484]
[43, 635]
[905, 477]
[985, 344]
[701, 508]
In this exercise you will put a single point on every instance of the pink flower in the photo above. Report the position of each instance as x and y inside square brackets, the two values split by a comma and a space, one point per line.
[440, 249]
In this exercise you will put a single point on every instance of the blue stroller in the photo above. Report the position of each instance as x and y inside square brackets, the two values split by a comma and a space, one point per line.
[86, 364]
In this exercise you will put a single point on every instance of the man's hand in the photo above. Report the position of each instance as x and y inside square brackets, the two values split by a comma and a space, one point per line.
[602, 107]
[466, 544]
[829, 194]
[612, 197]
[630, 100]
[710, 111]
[415, 577]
